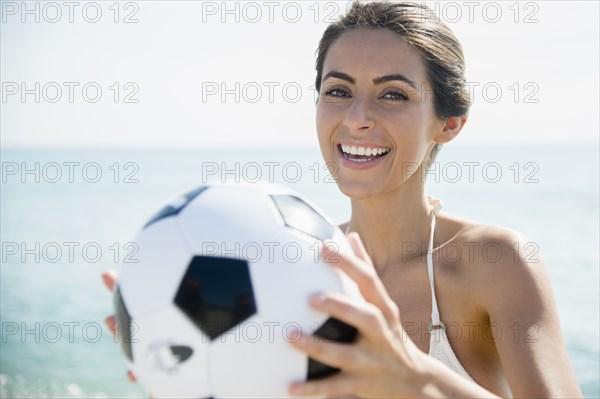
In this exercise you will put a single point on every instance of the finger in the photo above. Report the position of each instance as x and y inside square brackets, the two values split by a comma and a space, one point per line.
[111, 323]
[364, 316]
[109, 278]
[327, 352]
[339, 384]
[358, 248]
[366, 278]
[130, 376]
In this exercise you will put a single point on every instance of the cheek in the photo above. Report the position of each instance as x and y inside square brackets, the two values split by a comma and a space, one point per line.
[325, 126]
[411, 138]
[321, 117]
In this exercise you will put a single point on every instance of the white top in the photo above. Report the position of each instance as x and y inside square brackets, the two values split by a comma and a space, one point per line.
[439, 346]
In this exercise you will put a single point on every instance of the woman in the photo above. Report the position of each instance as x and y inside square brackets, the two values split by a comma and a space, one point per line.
[392, 90]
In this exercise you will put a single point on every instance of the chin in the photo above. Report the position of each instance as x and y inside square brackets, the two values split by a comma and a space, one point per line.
[357, 190]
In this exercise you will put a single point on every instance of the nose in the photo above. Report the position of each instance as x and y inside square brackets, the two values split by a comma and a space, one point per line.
[359, 118]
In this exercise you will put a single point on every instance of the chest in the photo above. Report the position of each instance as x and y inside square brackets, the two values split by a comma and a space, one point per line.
[410, 288]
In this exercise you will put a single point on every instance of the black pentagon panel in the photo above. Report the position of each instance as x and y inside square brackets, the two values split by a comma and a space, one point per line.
[331, 330]
[123, 324]
[172, 210]
[216, 294]
[298, 215]
[181, 352]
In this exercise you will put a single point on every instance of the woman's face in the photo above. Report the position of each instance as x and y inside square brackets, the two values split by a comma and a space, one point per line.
[375, 116]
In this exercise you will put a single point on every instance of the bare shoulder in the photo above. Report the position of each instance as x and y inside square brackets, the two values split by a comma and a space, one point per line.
[510, 283]
[499, 262]
[491, 244]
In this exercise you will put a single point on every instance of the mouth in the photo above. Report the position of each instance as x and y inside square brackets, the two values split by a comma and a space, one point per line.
[362, 154]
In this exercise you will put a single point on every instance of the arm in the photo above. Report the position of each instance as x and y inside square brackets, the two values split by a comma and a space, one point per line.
[517, 294]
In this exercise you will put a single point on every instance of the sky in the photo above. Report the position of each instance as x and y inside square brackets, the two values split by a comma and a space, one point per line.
[137, 74]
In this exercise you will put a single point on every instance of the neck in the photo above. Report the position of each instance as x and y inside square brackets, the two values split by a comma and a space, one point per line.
[394, 226]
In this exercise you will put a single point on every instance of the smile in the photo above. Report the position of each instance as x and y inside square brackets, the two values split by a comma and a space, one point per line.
[362, 154]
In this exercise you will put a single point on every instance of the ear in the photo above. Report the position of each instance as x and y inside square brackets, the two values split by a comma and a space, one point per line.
[450, 129]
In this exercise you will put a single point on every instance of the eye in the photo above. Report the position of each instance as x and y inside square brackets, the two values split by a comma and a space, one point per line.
[395, 96]
[337, 92]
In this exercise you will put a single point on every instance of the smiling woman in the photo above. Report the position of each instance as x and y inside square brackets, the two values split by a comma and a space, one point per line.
[443, 58]
[388, 84]
[392, 90]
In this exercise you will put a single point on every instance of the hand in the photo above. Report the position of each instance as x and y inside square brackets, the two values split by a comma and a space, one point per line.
[110, 279]
[382, 362]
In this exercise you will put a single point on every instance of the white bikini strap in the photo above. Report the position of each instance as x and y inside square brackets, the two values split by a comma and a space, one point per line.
[435, 315]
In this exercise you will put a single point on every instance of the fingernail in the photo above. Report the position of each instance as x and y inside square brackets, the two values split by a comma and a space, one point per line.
[131, 376]
[111, 324]
[327, 244]
[295, 337]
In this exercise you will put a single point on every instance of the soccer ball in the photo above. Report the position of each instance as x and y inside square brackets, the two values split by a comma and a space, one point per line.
[223, 278]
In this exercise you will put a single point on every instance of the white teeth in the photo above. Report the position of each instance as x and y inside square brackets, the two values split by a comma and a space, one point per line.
[363, 151]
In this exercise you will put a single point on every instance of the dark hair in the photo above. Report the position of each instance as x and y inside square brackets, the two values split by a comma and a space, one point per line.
[420, 28]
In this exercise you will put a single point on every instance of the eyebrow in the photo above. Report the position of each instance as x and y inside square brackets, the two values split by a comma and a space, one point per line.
[377, 81]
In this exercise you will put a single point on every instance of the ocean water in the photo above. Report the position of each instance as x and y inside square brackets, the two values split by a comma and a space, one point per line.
[68, 215]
